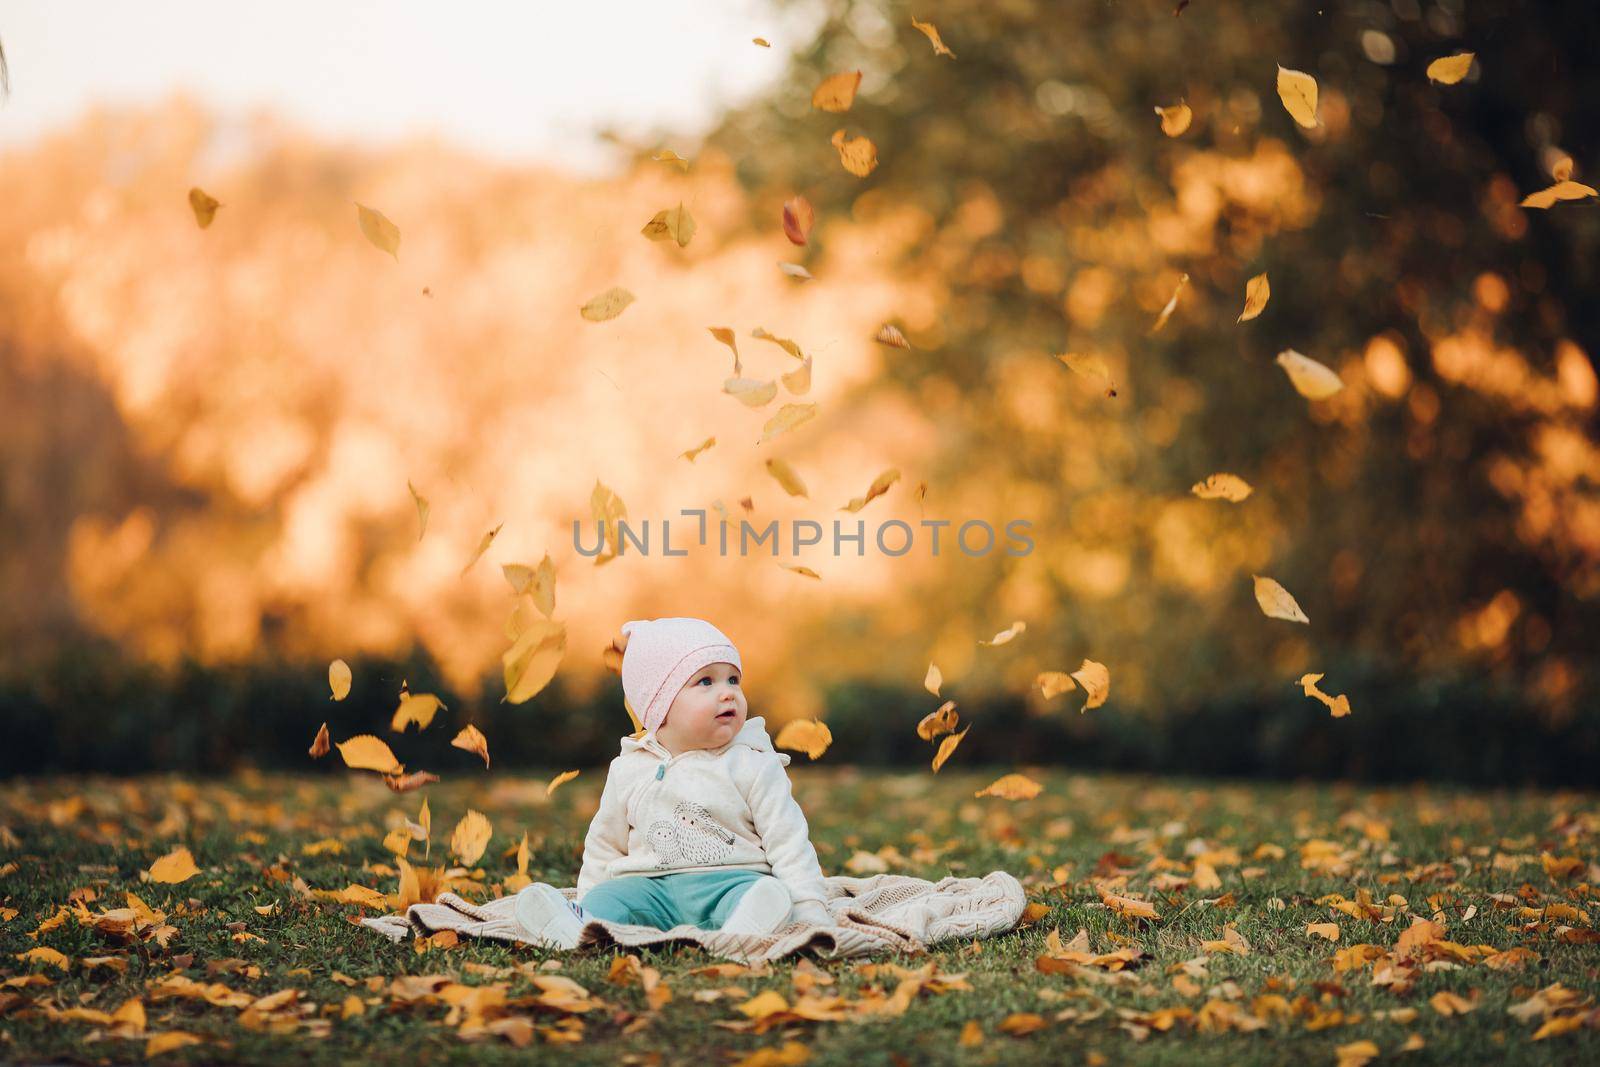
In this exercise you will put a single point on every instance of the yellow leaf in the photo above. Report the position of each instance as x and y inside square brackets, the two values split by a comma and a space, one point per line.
[667, 155]
[422, 509]
[129, 1020]
[352, 1006]
[788, 417]
[889, 334]
[1275, 601]
[1053, 683]
[419, 708]
[798, 218]
[762, 41]
[383, 234]
[760, 334]
[483, 546]
[938, 722]
[398, 841]
[1096, 681]
[1172, 305]
[169, 1041]
[931, 31]
[805, 735]
[933, 679]
[1128, 907]
[1006, 635]
[1447, 70]
[858, 155]
[48, 956]
[805, 572]
[764, 1004]
[1205, 876]
[425, 820]
[203, 206]
[1338, 706]
[608, 509]
[1561, 190]
[879, 486]
[1090, 366]
[798, 381]
[1298, 91]
[1011, 787]
[1327, 930]
[608, 305]
[320, 744]
[971, 1035]
[1175, 120]
[1220, 486]
[531, 662]
[367, 753]
[672, 223]
[695, 451]
[1447, 1004]
[725, 335]
[837, 91]
[751, 392]
[176, 866]
[471, 738]
[1256, 293]
[1019, 1023]
[405, 783]
[1356, 1053]
[470, 837]
[946, 747]
[1311, 379]
[339, 678]
[786, 477]
[555, 783]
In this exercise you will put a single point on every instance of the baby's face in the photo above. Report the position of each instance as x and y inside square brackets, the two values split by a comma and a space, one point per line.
[708, 711]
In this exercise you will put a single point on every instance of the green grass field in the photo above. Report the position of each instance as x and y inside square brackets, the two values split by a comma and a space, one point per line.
[1275, 850]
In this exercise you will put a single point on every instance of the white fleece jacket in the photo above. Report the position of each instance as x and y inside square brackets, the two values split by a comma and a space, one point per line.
[706, 809]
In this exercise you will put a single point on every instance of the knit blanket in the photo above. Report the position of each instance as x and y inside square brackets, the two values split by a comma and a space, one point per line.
[884, 913]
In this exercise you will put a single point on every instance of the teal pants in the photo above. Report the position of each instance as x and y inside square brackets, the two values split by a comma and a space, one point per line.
[694, 898]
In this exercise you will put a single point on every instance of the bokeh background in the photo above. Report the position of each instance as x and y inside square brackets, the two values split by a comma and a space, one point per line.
[206, 435]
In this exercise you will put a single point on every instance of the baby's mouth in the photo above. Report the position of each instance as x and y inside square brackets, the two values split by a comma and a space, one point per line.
[729, 714]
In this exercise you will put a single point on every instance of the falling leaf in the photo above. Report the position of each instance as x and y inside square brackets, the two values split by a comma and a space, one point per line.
[203, 206]
[1011, 787]
[671, 223]
[398, 841]
[798, 218]
[320, 745]
[531, 662]
[805, 735]
[750, 392]
[1338, 706]
[1561, 190]
[931, 31]
[696, 450]
[889, 335]
[1006, 635]
[339, 679]
[1053, 683]
[418, 708]
[1175, 120]
[760, 334]
[788, 417]
[725, 335]
[1447, 70]
[422, 509]
[858, 155]
[933, 679]
[406, 783]
[1172, 305]
[762, 41]
[1326, 930]
[1256, 293]
[798, 381]
[938, 722]
[383, 234]
[837, 91]
[608, 305]
[880, 485]
[1311, 379]
[425, 820]
[795, 270]
[786, 477]
[367, 753]
[555, 783]
[1298, 91]
[483, 546]
[1221, 486]
[667, 155]
[607, 509]
[471, 738]
[1096, 681]
[470, 838]
[1090, 366]
[1275, 601]
[176, 866]
[946, 747]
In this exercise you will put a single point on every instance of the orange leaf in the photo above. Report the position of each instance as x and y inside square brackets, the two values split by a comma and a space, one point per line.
[471, 738]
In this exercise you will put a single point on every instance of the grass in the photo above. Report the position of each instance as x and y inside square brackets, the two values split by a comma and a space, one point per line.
[1444, 851]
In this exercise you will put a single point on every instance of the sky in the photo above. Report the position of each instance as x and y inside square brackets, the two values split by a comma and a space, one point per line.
[519, 81]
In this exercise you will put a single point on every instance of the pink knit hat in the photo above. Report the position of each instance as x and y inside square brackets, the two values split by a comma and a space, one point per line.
[662, 655]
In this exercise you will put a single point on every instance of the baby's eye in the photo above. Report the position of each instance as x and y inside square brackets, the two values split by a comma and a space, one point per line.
[705, 681]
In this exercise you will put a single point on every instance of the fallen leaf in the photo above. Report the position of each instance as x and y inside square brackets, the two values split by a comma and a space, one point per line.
[471, 738]
[1325, 930]
[1298, 91]
[879, 486]
[1256, 293]
[837, 91]
[798, 218]
[49, 956]
[1220, 486]
[1356, 1054]
[1310, 379]
[946, 747]
[1006, 635]
[671, 223]
[556, 783]
[1447, 70]
[168, 1042]
[1447, 1003]
[203, 206]
[608, 305]
[483, 546]
[1275, 601]
[810, 736]
[858, 155]
[1128, 907]
[786, 477]
[470, 837]
[383, 234]
[1338, 706]
[320, 745]
[1172, 305]
[176, 866]
[1019, 1023]
[1175, 120]
[364, 752]
[1096, 681]
[1011, 787]
[931, 32]
[933, 679]
[938, 722]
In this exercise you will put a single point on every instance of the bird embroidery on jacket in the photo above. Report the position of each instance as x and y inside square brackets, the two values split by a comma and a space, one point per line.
[691, 837]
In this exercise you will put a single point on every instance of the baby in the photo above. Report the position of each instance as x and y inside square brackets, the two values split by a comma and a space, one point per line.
[696, 825]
